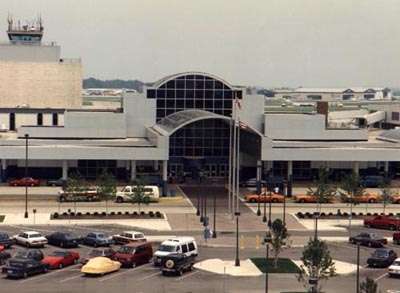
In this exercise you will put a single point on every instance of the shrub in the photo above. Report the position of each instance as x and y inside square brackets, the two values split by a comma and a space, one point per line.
[151, 214]
[322, 214]
[87, 213]
[79, 214]
[142, 213]
[95, 214]
[65, 214]
[112, 213]
[135, 213]
[158, 214]
[368, 214]
[103, 214]
[127, 213]
[390, 214]
[55, 216]
[119, 213]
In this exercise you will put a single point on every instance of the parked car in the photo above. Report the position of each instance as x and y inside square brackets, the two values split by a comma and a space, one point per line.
[125, 195]
[26, 181]
[383, 222]
[35, 254]
[381, 258]
[372, 181]
[177, 263]
[395, 199]
[30, 239]
[185, 245]
[56, 182]
[128, 236]
[4, 256]
[133, 254]
[100, 266]
[97, 239]
[5, 240]
[104, 252]
[60, 259]
[252, 182]
[63, 239]
[394, 268]
[273, 197]
[368, 239]
[88, 195]
[364, 198]
[22, 268]
[396, 237]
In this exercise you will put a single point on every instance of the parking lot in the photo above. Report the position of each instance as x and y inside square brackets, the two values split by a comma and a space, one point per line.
[147, 278]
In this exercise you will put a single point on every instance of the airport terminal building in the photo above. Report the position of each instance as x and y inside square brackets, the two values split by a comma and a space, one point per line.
[179, 124]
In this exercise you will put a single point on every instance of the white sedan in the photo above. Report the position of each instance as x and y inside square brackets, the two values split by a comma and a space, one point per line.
[394, 268]
[30, 239]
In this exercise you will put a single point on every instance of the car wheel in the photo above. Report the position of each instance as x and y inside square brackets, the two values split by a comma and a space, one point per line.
[392, 228]
[119, 200]
[62, 199]
[302, 201]
[180, 272]
[133, 265]
[46, 269]
[60, 266]
[28, 245]
[164, 273]
[75, 261]
[25, 275]
[369, 244]
[62, 244]
[95, 244]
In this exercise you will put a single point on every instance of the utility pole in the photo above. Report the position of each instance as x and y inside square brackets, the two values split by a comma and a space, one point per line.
[358, 269]
[26, 175]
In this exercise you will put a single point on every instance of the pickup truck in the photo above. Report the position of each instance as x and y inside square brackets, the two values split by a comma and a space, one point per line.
[88, 195]
[383, 222]
[128, 237]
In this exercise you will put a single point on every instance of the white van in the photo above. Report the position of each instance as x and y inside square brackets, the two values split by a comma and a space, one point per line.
[125, 195]
[185, 245]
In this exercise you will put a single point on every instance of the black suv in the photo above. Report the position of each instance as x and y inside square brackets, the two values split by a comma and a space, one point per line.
[5, 240]
[177, 263]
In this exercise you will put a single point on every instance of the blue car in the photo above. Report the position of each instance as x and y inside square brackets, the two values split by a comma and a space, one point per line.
[5, 240]
[97, 239]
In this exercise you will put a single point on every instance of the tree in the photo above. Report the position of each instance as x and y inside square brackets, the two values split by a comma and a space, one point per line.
[323, 191]
[279, 236]
[317, 263]
[75, 185]
[107, 187]
[386, 193]
[351, 189]
[139, 195]
[369, 286]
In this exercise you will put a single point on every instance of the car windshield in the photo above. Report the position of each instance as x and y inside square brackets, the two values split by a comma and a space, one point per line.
[380, 253]
[167, 248]
[126, 250]
[22, 254]
[36, 235]
[101, 236]
[69, 236]
[95, 253]
[3, 237]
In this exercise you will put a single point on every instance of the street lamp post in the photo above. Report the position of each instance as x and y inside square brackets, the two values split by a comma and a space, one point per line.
[258, 205]
[198, 205]
[267, 240]
[201, 209]
[358, 269]
[26, 175]
[270, 209]
[237, 260]
[284, 205]
[214, 235]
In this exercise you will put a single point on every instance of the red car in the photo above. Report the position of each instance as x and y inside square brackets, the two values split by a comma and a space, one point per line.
[59, 259]
[26, 181]
[383, 222]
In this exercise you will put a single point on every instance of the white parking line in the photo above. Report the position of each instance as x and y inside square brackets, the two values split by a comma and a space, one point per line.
[43, 276]
[112, 276]
[187, 276]
[149, 276]
[380, 277]
[71, 278]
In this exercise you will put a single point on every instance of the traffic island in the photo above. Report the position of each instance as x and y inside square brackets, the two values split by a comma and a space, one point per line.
[106, 216]
[284, 266]
[217, 266]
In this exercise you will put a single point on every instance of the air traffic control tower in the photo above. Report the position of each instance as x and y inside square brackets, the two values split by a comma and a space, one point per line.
[33, 74]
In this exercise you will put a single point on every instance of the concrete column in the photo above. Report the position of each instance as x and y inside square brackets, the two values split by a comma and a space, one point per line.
[156, 165]
[289, 178]
[356, 167]
[133, 170]
[165, 177]
[259, 165]
[386, 168]
[64, 170]
[3, 170]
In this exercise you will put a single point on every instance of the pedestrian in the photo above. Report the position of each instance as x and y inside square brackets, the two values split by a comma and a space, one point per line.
[276, 189]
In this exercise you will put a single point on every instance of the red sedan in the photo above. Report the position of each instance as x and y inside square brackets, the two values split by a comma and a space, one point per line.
[59, 259]
[26, 181]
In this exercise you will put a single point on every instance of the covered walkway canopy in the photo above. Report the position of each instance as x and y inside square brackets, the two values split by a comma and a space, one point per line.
[168, 125]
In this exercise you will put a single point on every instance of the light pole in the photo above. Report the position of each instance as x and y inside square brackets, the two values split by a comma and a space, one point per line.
[258, 204]
[201, 209]
[270, 208]
[284, 205]
[358, 269]
[316, 215]
[198, 205]
[215, 217]
[267, 240]
[26, 175]
[237, 260]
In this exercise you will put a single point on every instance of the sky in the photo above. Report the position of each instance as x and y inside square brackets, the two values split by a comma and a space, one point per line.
[271, 43]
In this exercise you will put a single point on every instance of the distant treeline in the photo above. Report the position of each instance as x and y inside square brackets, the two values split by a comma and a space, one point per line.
[113, 84]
